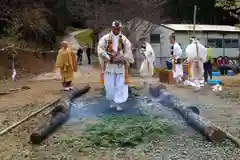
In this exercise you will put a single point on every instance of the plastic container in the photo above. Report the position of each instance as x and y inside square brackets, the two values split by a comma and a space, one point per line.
[214, 82]
[169, 65]
[216, 73]
[230, 73]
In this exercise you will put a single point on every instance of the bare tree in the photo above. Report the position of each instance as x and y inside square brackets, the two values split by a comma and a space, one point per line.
[27, 20]
[233, 7]
[140, 17]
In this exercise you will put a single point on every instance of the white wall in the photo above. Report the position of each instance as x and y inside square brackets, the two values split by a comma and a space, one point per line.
[232, 52]
[183, 39]
[215, 52]
[162, 49]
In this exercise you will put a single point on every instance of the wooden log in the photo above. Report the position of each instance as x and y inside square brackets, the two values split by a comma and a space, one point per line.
[192, 117]
[59, 115]
[206, 127]
[43, 133]
[78, 93]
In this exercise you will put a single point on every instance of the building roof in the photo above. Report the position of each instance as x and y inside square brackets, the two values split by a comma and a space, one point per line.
[211, 28]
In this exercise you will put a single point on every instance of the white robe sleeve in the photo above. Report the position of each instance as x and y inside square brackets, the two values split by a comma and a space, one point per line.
[128, 56]
[203, 52]
[177, 50]
[191, 52]
[150, 53]
[101, 49]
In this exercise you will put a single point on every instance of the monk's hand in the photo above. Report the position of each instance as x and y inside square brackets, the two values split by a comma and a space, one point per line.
[106, 56]
[119, 59]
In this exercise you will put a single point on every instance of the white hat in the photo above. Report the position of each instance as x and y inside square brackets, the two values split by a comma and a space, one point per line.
[117, 24]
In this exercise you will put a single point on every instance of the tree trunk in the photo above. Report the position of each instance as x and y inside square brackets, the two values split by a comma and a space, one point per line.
[59, 115]
[95, 37]
[189, 113]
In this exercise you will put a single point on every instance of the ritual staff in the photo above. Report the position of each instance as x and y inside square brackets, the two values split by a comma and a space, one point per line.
[196, 55]
[115, 55]
[176, 53]
[66, 62]
[147, 66]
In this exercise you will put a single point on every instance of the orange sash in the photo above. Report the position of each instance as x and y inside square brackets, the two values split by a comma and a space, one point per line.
[110, 50]
[102, 78]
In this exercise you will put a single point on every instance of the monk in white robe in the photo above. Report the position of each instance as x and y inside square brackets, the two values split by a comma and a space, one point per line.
[176, 53]
[115, 56]
[196, 55]
[147, 66]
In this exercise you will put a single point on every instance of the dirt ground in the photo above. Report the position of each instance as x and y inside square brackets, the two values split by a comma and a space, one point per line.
[46, 88]
[221, 108]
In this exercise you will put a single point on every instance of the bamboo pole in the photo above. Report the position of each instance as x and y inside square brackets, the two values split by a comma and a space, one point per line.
[28, 117]
[232, 138]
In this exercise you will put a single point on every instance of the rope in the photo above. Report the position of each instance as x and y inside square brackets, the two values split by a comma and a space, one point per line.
[13, 58]
[3, 49]
[24, 49]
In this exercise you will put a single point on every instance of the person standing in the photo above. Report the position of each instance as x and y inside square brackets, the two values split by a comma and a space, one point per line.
[66, 62]
[79, 55]
[147, 66]
[226, 67]
[196, 55]
[176, 53]
[88, 52]
[221, 63]
[208, 66]
[115, 55]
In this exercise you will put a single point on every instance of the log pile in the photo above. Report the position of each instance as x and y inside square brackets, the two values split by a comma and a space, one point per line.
[190, 114]
[59, 115]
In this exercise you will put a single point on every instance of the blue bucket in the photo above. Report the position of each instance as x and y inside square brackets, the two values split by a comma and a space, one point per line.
[214, 82]
[216, 73]
[230, 73]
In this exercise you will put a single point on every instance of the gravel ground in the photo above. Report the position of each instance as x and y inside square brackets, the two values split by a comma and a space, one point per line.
[185, 144]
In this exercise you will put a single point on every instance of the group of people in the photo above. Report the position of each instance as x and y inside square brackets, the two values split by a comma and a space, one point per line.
[198, 57]
[80, 54]
[222, 63]
[115, 56]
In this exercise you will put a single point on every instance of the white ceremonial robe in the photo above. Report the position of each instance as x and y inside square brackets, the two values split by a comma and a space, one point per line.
[114, 74]
[196, 54]
[178, 69]
[147, 66]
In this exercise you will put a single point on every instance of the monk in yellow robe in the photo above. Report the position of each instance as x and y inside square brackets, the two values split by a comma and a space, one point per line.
[66, 62]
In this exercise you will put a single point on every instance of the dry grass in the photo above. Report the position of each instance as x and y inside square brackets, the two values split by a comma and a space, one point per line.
[85, 37]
